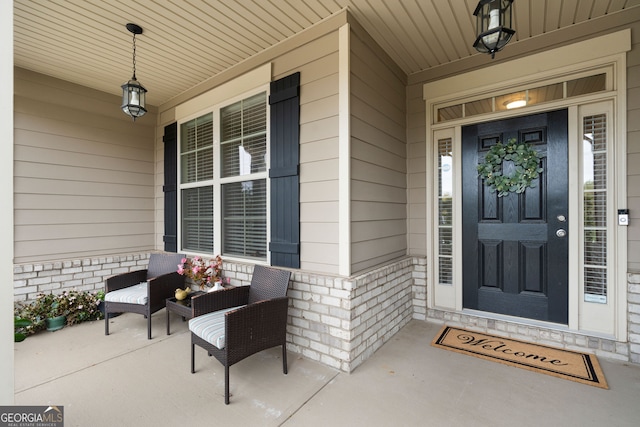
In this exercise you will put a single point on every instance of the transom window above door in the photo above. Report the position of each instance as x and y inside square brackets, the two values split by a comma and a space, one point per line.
[531, 95]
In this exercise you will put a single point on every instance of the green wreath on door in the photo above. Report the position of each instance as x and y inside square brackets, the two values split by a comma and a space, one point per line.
[527, 167]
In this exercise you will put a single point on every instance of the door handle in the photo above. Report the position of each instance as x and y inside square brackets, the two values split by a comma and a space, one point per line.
[561, 232]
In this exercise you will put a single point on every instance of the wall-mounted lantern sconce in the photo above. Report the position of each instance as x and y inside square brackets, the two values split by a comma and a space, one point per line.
[133, 93]
[493, 25]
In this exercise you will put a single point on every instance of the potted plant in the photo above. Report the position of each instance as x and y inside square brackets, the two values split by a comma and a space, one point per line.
[204, 274]
[34, 312]
[45, 312]
[19, 325]
[53, 312]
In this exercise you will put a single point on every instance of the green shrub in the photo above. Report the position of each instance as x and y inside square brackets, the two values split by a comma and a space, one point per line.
[19, 326]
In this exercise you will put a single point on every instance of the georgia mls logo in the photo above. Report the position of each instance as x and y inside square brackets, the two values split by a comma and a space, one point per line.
[31, 416]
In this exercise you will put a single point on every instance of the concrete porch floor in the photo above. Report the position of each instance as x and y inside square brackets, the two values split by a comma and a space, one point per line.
[126, 380]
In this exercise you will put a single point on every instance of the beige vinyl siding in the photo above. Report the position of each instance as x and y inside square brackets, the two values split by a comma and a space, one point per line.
[317, 62]
[319, 158]
[319, 164]
[83, 172]
[417, 171]
[378, 155]
[633, 148]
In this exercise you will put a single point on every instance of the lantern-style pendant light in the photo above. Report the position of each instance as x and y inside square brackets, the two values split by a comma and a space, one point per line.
[493, 25]
[133, 93]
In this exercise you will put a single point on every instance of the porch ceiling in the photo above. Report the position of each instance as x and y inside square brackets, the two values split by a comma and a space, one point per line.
[187, 42]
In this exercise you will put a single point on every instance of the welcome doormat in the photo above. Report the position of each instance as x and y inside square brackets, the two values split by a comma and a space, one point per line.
[581, 367]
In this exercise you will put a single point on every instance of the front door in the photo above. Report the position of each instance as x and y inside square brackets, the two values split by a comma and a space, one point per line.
[515, 247]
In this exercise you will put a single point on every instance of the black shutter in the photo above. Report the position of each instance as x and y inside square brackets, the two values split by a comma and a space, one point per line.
[170, 188]
[285, 183]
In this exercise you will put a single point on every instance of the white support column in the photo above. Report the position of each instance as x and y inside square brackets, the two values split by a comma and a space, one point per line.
[6, 211]
[344, 152]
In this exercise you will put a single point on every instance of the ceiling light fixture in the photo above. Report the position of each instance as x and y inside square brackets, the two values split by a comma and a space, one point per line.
[133, 93]
[516, 104]
[493, 25]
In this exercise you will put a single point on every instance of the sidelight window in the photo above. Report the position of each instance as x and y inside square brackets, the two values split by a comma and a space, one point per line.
[595, 190]
[445, 211]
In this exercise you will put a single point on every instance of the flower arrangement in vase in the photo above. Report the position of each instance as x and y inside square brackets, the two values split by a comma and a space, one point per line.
[202, 273]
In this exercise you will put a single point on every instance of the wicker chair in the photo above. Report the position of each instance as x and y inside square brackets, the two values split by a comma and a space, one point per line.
[143, 291]
[232, 324]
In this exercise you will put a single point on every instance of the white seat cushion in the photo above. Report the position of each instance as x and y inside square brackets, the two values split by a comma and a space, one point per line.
[210, 327]
[136, 294]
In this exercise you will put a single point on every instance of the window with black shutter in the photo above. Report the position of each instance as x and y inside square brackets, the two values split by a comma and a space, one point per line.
[223, 187]
[170, 188]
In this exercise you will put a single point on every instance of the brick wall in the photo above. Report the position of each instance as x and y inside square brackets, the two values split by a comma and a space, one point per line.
[420, 289]
[81, 274]
[338, 321]
[342, 321]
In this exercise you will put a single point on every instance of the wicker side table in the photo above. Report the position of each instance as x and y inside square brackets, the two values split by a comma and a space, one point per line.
[182, 308]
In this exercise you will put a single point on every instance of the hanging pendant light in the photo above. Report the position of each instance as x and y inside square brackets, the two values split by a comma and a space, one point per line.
[133, 93]
[493, 25]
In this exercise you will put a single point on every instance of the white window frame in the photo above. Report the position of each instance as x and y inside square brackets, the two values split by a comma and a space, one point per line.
[218, 181]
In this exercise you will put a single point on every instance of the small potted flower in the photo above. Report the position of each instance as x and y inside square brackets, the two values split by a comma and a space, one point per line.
[204, 274]
[51, 309]
[37, 312]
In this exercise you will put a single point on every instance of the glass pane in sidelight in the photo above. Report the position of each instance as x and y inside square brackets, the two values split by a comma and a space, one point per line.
[595, 190]
[445, 211]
